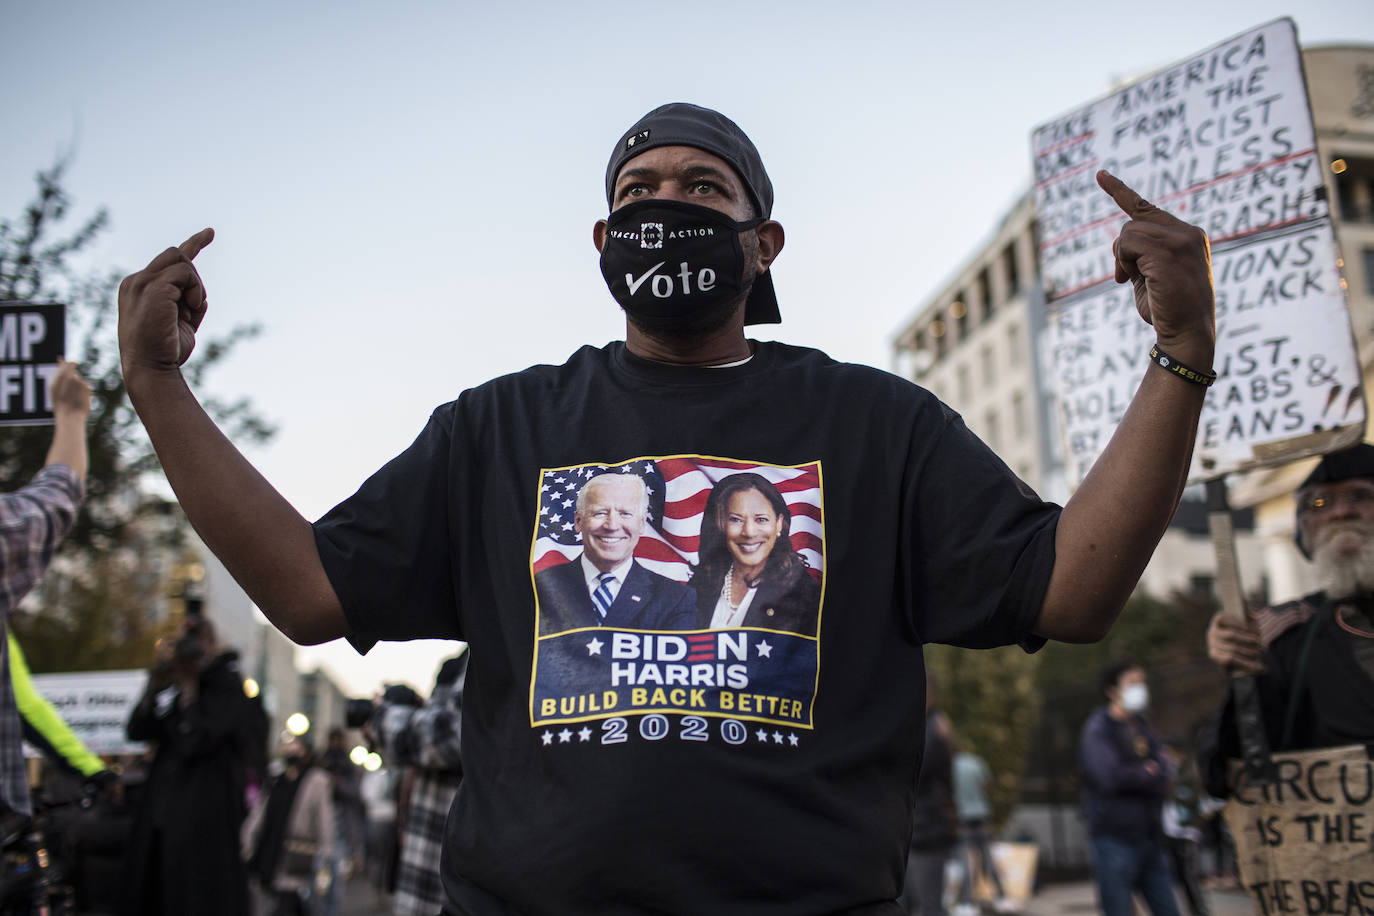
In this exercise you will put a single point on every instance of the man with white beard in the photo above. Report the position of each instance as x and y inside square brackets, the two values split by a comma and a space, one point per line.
[1314, 657]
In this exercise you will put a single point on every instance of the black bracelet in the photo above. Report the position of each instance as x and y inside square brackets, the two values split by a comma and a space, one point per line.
[1165, 361]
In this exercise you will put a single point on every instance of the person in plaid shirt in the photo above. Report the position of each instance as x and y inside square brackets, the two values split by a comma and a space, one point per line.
[33, 519]
[424, 738]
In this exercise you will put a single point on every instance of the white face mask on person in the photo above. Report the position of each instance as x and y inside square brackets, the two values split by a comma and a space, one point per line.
[1135, 697]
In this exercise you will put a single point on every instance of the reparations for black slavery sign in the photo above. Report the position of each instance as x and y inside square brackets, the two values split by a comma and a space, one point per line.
[1224, 141]
[1306, 843]
[32, 337]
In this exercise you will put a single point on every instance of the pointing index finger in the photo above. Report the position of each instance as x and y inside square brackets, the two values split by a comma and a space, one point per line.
[193, 246]
[1131, 203]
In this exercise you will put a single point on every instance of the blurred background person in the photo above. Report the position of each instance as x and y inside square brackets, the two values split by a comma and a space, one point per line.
[33, 519]
[748, 572]
[350, 818]
[975, 841]
[934, 820]
[183, 853]
[426, 739]
[1180, 821]
[1126, 779]
[288, 839]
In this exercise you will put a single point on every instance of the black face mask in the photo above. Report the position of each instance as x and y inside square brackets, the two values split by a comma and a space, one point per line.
[671, 265]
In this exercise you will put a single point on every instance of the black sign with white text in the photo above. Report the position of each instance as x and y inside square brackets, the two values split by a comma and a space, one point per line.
[32, 337]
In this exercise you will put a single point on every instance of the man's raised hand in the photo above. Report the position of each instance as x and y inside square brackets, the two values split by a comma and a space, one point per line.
[160, 308]
[1170, 265]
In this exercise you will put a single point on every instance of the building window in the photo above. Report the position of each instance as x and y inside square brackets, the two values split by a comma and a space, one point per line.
[1354, 180]
[1018, 416]
[962, 384]
[985, 293]
[989, 366]
[1013, 345]
[959, 312]
[937, 333]
[994, 437]
[1013, 275]
[1201, 584]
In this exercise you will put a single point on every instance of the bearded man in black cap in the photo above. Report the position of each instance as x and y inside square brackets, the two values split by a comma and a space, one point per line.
[616, 770]
[1314, 657]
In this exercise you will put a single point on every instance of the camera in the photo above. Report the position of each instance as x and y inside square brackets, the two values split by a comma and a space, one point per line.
[190, 645]
[357, 713]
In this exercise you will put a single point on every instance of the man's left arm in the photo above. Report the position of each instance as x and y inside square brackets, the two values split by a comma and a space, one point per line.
[1112, 524]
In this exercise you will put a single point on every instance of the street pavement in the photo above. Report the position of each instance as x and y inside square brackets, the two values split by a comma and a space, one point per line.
[1073, 898]
[1078, 898]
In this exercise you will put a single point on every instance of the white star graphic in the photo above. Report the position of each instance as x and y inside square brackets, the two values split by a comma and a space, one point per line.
[585, 734]
[594, 647]
[567, 526]
[762, 735]
[547, 738]
[777, 737]
[564, 736]
[567, 503]
[765, 650]
[559, 479]
[793, 738]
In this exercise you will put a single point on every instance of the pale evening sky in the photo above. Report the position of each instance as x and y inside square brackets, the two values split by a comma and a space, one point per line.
[403, 193]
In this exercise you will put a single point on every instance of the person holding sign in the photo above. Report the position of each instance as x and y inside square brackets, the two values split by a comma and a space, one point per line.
[1314, 657]
[33, 519]
[935, 540]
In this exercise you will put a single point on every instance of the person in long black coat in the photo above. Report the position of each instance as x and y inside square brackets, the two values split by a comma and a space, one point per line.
[183, 853]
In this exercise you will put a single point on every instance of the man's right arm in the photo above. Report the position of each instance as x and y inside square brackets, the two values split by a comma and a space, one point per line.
[266, 545]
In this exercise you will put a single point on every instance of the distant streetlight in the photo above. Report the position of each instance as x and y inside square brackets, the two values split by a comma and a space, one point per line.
[251, 688]
[297, 724]
[359, 755]
[373, 763]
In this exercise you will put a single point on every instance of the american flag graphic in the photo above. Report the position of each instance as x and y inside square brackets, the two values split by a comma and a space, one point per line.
[678, 486]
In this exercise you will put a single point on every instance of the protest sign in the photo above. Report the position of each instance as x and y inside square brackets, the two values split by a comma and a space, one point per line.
[32, 337]
[96, 705]
[1305, 844]
[1225, 141]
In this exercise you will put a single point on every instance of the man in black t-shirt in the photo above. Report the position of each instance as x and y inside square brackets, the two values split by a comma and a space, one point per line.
[714, 770]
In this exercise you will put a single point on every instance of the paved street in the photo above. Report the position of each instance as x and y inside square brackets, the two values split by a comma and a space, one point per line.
[1073, 898]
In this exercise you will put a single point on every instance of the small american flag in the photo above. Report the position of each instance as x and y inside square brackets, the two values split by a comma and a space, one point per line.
[678, 486]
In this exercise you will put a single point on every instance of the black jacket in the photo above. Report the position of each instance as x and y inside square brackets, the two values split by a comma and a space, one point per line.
[183, 853]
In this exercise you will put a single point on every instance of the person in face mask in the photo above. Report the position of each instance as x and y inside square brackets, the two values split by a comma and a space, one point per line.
[1126, 778]
[589, 748]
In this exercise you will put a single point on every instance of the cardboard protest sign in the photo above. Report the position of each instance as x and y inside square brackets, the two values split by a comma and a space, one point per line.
[1305, 844]
[32, 337]
[1223, 140]
[96, 706]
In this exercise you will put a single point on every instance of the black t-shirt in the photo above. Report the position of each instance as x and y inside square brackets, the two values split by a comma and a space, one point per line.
[745, 770]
